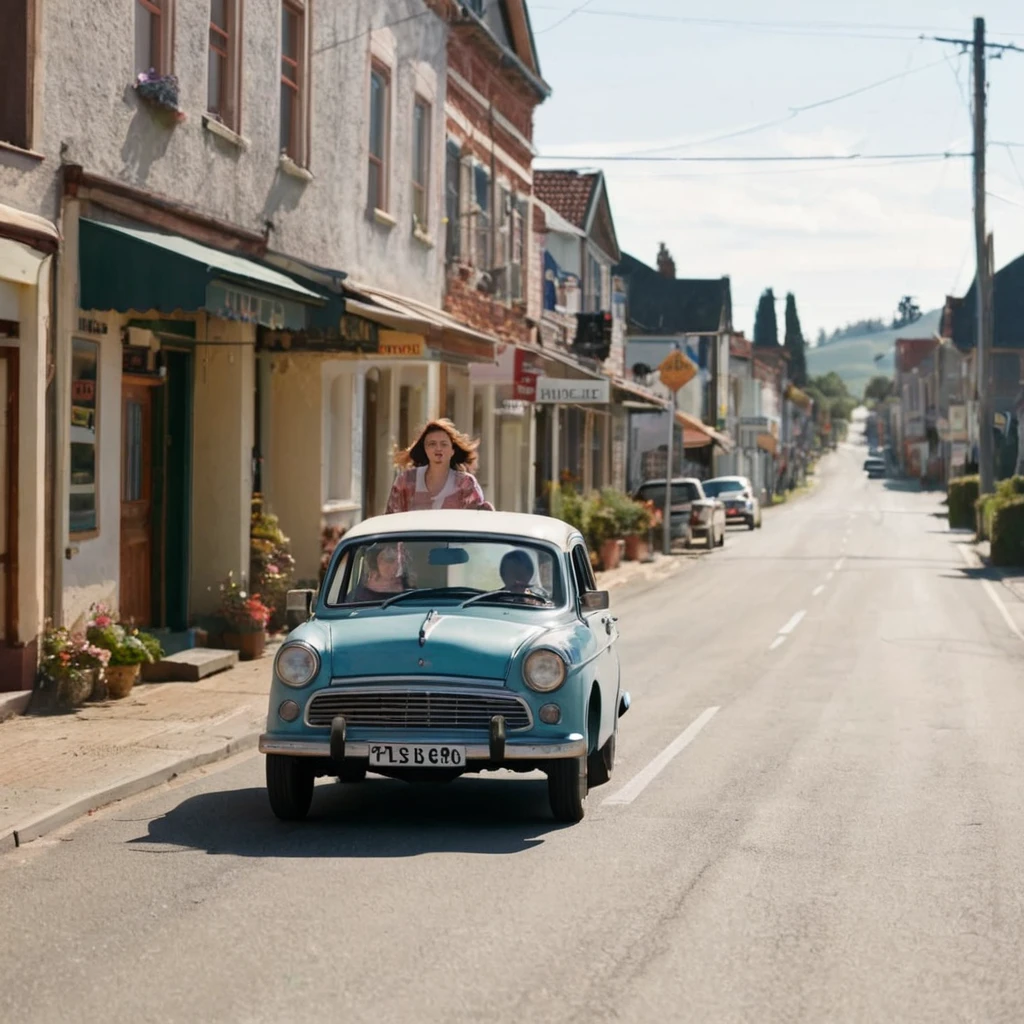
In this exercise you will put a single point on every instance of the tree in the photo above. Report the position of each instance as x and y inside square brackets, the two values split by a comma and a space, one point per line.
[878, 389]
[822, 336]
[907, 312]
[766, 327]
[795, 345]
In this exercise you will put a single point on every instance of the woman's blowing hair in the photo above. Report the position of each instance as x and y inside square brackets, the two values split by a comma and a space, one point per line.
[463, 459]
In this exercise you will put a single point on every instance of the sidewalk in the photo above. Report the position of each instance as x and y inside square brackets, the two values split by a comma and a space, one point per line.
[56, 768]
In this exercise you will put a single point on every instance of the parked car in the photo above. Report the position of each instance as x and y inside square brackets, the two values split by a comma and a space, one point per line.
[875, 468]
[737, 494]
[445, 642]
[693, 513]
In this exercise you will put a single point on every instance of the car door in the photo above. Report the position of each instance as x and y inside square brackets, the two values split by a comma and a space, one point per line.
[604, 633]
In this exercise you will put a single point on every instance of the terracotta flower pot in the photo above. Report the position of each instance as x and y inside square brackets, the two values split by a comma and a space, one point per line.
[120, 679]
[636, 548]
[249, 645]
[611, 554]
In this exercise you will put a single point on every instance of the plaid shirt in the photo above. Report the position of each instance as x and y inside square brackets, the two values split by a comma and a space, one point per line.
[409, 492]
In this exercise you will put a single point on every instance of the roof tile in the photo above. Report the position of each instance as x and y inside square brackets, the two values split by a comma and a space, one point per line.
[568, 193]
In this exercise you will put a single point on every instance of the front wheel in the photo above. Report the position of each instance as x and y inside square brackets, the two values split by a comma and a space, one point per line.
[601, 764]
[711, 539]
[289, 786]
[567, 788]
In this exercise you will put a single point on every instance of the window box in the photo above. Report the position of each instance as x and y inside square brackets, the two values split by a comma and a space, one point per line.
[160, 93]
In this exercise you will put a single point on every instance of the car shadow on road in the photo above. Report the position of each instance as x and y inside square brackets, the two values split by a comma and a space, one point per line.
[376, 818]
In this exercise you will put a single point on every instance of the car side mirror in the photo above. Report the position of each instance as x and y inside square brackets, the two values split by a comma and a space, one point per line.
[594, 601]
[298, 607]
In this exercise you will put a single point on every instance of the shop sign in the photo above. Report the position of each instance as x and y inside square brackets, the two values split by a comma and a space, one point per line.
[554, 391]
[230, 302]
[360, 332]
[86, 325]
[402, 347]
[82, 503]
[958, 422]
[511, 407]
[528, 368]
[134, 359]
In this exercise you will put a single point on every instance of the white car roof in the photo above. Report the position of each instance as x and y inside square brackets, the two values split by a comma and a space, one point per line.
[463, 521]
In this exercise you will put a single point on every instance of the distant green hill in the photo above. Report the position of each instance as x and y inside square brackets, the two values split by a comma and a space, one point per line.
[853, 358]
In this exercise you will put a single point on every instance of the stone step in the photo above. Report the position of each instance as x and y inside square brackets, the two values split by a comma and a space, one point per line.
[189, 666]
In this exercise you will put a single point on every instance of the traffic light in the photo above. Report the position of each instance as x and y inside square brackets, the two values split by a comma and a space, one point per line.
[593, 335]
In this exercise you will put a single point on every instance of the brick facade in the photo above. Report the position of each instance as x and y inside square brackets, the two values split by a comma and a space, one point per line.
[489, 116]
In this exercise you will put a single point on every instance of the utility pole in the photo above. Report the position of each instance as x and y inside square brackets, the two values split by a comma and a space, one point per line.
[984, 253]
[983, 277]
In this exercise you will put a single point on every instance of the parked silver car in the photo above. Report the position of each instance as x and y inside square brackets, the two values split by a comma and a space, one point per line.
[742, 505]
[694, 514]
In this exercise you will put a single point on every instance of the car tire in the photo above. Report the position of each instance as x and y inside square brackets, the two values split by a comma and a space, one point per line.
[721, 540]
[289, 786]
[711, 545]
[601, 764]
[567, 788]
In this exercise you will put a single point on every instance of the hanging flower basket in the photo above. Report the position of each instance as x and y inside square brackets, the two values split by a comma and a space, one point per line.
[160, 92]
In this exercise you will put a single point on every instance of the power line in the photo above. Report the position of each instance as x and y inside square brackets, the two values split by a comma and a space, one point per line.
[372, 28]
[837, 30]
[793, 113]
[561, 21]
[829, 157]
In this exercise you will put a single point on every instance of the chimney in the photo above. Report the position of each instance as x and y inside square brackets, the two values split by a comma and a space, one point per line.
[666, 265]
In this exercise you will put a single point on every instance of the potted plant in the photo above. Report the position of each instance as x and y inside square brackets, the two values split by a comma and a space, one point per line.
[69, 663]
[271, 564]
[160, 93]
[603, 536]
[246, 617]
[127, 647]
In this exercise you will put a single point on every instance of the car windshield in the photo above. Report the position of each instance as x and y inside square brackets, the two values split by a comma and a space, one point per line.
[681, 493]
[713, 488]
[403, 569]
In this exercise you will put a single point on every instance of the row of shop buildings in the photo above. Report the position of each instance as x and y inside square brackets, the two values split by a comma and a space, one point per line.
[255, 246]
[931, 421]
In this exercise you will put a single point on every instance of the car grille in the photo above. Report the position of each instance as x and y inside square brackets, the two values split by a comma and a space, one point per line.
[417, 709]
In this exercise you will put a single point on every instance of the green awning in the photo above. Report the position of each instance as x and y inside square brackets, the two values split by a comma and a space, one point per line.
[130, 269]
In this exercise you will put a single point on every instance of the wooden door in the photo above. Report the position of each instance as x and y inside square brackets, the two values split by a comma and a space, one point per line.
[8, 495]
[136, 501]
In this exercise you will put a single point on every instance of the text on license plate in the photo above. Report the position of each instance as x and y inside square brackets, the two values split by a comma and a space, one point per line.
[416, 755]
[733, 512]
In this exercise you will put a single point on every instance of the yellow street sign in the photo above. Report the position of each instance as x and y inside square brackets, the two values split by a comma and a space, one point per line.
[676, 370]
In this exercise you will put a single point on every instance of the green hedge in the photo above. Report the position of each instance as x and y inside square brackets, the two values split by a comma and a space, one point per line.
[1007, 491]
[963, 493]
[1007, 532]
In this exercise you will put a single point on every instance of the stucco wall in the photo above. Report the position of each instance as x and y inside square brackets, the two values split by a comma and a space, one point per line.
[296, 455]
[87, 107]
[222, 460]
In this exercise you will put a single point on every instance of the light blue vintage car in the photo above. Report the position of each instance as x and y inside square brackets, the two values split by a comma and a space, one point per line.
[446, 642]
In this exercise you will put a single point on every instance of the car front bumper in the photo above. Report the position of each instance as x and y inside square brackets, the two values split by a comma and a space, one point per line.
[515, 748]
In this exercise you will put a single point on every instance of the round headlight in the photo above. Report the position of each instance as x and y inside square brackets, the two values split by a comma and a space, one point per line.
[296, 665]
[544, 671]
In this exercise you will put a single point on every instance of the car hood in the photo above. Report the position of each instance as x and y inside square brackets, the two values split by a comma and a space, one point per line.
[470, 643]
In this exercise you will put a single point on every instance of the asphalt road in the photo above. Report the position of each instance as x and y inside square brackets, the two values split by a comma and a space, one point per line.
[816, 816]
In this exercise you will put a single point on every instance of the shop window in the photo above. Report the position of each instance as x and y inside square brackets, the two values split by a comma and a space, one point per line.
[154, 35]
[380, 99]
[224, 72]
[16, 73]
[84, 490]
[339, 446]
[421, 164]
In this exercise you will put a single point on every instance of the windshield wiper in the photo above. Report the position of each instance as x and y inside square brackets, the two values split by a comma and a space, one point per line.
[425, 591]
[534, 594]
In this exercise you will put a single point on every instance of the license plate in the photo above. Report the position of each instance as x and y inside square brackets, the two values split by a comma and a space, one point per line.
[733, 512]
[416, 755]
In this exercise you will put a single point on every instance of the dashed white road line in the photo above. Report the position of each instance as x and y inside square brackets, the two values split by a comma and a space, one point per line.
[829, 576]
[839, 564]
[636, 785]
[817, 590]
[792, 624]
[776, 643]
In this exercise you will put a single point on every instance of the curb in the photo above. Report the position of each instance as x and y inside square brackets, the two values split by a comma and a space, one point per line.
[52, 820]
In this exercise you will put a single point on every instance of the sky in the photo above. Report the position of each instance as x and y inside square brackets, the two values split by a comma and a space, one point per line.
[848, 238]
